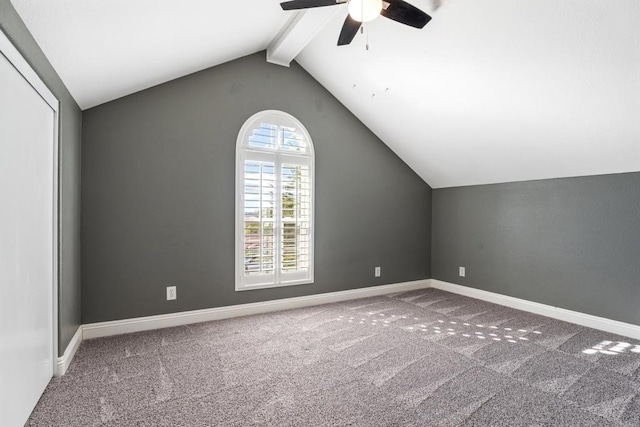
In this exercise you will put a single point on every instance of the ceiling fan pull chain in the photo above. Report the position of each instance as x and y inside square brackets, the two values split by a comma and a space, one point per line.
[362, 27]
[367, 38]
[362, 14]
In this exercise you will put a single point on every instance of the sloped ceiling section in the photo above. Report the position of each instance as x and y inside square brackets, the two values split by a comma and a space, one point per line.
[496, 90]
[106, 49]
[489, 91]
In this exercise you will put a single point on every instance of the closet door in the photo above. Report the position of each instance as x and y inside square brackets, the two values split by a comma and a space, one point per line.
[27, 242]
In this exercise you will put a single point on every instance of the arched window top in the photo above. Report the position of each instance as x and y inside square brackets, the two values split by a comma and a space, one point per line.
[275, 131]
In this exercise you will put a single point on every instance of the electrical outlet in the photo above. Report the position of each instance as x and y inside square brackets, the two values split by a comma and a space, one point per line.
[171, 293]
[462, 271]
[377, 272]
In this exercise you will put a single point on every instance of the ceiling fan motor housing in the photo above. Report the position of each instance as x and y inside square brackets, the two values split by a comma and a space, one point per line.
[364, 10]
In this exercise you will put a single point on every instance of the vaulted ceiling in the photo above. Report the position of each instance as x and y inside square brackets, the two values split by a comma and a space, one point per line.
[489, 91]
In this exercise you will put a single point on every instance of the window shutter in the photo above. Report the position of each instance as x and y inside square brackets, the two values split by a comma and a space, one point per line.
[275, 203]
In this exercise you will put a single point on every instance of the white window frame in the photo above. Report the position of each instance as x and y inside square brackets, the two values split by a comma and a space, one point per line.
[278, 157]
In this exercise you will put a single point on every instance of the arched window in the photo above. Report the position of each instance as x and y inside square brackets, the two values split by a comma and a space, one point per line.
[274, 202]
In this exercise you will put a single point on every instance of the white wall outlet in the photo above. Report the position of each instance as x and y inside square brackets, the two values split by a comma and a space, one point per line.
[377, 272]
[171, 293]
[462, 271]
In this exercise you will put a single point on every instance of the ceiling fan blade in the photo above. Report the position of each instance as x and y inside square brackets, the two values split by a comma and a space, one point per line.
[306, 4]
[349, 31]
[405, 13]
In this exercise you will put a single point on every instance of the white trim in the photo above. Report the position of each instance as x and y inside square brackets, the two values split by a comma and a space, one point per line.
[63, 362]
[57, 227]
[17, 60]
[125, 326]
[13, 55]
[588, 320]
[246, 152]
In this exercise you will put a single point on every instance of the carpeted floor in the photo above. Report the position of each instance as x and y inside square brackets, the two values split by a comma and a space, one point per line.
[421, 358]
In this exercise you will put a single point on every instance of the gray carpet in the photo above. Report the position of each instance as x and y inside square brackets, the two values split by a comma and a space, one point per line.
[421, 358]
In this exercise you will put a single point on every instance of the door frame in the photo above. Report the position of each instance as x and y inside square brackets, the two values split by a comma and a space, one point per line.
[9, 51]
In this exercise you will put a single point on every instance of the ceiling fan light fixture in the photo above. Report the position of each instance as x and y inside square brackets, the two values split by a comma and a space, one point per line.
[365, 10]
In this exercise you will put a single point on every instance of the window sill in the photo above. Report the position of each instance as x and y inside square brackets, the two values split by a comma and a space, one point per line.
[242, 288]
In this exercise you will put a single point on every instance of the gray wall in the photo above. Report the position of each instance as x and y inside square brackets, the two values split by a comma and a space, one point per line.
[572, 243]
[158, 183]
[70, 132]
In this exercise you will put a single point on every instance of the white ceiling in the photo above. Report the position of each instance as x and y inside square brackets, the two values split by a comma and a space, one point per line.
[489, 91]
[105, 49]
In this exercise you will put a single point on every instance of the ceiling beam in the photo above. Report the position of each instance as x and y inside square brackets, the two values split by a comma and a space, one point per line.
[297, 33]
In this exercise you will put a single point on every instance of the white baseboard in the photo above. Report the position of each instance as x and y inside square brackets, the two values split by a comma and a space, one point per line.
[595, 322]
[103, 329]
[63, 362]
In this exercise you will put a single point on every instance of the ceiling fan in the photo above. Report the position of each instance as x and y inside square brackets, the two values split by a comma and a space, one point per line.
[361, 11]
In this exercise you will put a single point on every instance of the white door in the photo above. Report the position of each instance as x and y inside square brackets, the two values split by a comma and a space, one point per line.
[27, 242]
